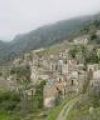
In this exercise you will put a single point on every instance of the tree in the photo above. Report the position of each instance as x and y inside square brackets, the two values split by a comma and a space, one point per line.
[93, 37]
[73, 51]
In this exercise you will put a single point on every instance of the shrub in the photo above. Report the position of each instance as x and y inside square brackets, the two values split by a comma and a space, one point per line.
[8, 100]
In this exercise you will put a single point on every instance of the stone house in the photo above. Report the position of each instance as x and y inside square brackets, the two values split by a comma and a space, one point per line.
[65, 69]
[60, 66]
[94, 85]
[34, 74]
[98, 53]
[17, 61]
[80, 58]
[4, 84]
[81, 40]
[53, 89]
[12, 82]
[43, 77]
[61, 86]
[72, 65]
[98, 32]
[93, 67]
[50, 94]
[95, 82]
[72, 82]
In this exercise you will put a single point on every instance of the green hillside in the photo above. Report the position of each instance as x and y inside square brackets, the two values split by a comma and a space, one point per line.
[45, 36]
[81, 107]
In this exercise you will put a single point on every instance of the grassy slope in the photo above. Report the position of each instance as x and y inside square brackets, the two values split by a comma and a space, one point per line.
[11, 106]
[56, 111]
[86, 108]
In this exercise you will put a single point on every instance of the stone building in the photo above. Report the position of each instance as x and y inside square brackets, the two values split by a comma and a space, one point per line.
[93, 67]
[53, 89]
[4, 84]
[60, 66]
[98, 53]
[95, 83]
[12, 82]
[98, 32]
[80, 57]
[72, 65]
[81, 40]
[34, 74]
[17, 61]
[72, 82]
[50, 94]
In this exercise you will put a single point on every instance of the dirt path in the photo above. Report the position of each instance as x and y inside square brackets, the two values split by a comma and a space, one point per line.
[67, 108]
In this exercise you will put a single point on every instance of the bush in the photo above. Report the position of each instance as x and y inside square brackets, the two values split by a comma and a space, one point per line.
[38, 98]
[8, 100]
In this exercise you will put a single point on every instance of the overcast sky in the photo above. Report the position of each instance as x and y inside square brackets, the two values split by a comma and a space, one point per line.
[19, 16]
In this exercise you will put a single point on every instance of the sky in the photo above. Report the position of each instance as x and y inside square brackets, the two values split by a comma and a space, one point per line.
[21, 16]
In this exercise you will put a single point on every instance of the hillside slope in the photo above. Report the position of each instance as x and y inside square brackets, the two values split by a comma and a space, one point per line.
[44, 37]
[83, 107]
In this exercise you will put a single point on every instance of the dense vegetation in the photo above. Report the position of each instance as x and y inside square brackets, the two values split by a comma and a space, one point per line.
[88, 56]
[12, 105]
[9, 105]
[22, 74]
[87, 108]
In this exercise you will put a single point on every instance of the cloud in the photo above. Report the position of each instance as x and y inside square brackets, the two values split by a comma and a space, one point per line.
[19, 16]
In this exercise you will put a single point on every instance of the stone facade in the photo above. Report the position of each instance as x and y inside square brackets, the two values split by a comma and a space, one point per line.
[81, 40]
[62, 73]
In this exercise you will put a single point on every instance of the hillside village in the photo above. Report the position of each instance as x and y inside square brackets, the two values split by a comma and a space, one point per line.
[50, 60]
[63, 72]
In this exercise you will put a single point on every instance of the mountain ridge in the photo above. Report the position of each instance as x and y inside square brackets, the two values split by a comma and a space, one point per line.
[44, 36]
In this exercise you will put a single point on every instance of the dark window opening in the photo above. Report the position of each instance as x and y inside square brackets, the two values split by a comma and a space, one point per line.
[72, 82]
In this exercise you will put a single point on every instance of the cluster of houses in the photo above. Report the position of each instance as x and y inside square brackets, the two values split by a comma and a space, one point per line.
[62, 73]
